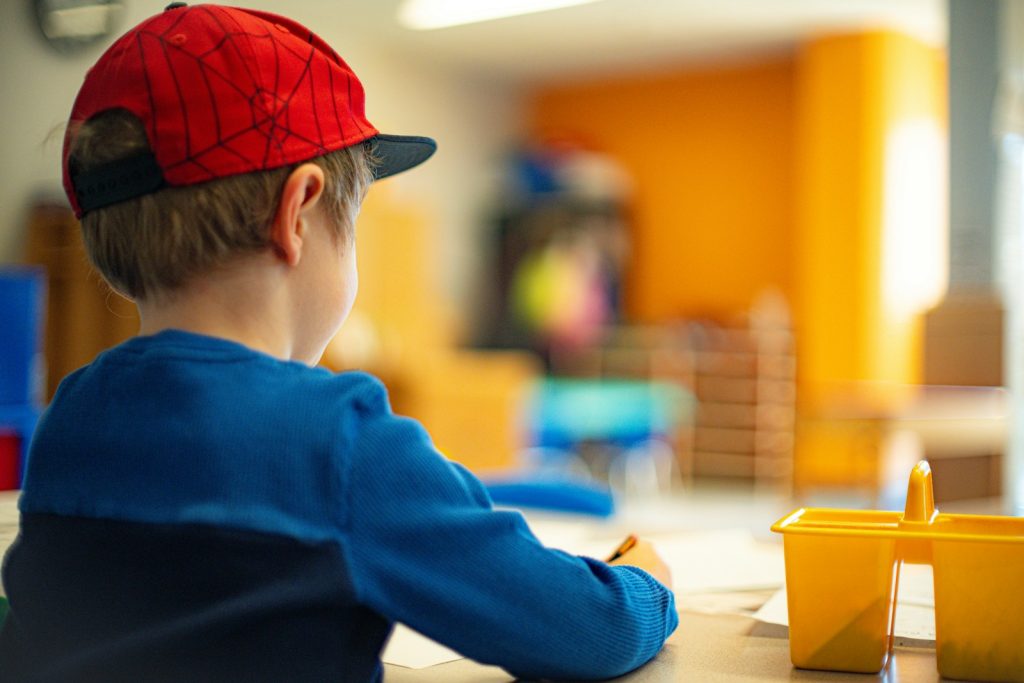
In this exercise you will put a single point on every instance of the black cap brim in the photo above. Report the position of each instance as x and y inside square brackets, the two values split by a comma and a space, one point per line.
[397, 153]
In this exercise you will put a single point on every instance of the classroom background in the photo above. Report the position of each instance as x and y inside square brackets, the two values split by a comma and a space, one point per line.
[666, 250]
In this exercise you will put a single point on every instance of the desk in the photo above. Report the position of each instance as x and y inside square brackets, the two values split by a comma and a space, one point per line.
[705, 648]
[8, 522]
[876, 434]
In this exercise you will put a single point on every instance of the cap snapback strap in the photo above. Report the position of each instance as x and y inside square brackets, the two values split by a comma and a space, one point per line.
[117, 181]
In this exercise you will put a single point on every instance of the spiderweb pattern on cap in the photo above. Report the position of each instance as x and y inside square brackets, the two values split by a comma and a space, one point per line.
[261, 138]
[224, 91]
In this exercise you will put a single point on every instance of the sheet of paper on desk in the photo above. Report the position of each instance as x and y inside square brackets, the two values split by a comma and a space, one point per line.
[414, 651]
[726, 560]
[915, 608]
[916, 585]
[572, 533]
[701, 562]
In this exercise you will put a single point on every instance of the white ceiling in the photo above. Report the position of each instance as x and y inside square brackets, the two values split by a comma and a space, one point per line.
[610, 35]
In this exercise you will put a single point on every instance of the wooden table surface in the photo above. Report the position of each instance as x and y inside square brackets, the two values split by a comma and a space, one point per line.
[706, 648]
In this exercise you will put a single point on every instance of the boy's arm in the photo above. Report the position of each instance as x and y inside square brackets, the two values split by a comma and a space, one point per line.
[425, 548]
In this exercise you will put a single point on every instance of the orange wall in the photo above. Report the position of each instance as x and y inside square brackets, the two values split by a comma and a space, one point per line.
[769, 174]
[711, 152]
[776, 174]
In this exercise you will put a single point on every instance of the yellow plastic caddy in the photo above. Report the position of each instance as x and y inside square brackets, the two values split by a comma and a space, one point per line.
[842, 578]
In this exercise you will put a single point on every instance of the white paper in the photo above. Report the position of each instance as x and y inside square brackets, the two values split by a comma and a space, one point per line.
[915, 623]
[571, 532]
[726, 560]
[775, 611]
[743, 603]
[415, 651]
[706, 561]
[916, 586]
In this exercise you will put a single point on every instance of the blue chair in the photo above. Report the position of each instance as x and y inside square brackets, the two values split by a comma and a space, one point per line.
[22, 367]
[566, 412]
[631, 422]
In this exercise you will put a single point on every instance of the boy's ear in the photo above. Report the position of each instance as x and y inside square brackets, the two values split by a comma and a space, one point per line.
[299, 195]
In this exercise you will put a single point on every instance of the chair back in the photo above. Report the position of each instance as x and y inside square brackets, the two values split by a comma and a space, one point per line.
[22, 311]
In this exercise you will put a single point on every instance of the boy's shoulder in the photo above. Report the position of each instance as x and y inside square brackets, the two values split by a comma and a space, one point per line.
[188, 356]
[179, 427]
[209, 392]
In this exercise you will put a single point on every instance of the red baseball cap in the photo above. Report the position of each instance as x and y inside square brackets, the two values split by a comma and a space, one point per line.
[223, 91]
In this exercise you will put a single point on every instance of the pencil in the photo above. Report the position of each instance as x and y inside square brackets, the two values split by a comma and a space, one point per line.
[624, 548]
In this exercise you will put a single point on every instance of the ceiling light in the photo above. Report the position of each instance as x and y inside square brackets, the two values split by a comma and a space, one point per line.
[430, 14]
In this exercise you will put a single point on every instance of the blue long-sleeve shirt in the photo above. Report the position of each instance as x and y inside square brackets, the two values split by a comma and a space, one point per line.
[195, 510]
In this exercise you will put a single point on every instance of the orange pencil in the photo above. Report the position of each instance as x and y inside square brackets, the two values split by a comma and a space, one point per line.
[630, 541]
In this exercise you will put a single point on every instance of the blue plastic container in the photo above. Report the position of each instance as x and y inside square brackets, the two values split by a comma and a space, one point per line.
[22, 316]
[548, 493]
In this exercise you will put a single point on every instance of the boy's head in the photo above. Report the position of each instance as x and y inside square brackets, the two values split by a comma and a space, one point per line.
[185, 132]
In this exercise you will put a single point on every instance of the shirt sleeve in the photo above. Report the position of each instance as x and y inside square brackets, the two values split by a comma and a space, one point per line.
[426, 548]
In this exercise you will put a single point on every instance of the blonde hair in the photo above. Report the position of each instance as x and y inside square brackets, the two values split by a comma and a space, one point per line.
[149, 246]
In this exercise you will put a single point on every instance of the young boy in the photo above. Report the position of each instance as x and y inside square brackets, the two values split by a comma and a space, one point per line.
[200, 503]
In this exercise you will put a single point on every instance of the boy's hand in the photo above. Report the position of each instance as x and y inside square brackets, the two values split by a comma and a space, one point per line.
[643, 555]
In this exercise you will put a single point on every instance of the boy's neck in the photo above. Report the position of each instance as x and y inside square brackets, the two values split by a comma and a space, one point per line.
[245, 305]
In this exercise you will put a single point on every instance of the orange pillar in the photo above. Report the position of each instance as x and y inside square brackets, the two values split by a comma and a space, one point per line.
[870, 113]
[870, 121]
